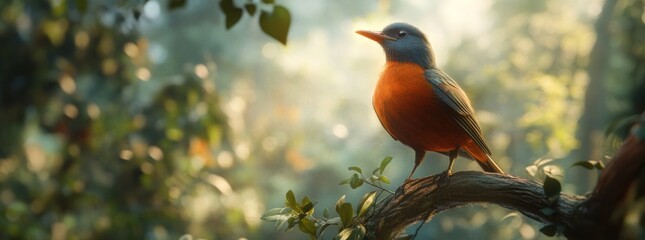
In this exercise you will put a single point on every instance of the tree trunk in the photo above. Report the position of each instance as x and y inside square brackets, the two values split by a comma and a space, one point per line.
[594, 117]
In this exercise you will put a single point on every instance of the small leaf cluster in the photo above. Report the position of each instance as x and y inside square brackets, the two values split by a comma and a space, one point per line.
[357, 179]
[274, 23]
[349, 221]
[295, 213]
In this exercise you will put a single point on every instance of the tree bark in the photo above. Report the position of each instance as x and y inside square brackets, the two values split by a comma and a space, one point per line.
[597, 216]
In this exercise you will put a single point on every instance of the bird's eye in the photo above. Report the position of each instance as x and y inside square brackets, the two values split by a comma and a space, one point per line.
[402, 33]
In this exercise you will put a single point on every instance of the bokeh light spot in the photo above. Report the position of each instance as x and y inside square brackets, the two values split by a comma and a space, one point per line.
[152, 9]
[67, 83]
[155, 153]
[147, 168]
[143, 74]
[109, 66]
[93, 111]
[131, 50]
[82, 39]
[201, 71]
[225, 159]
[126, 155]
[340, 131]
[70, 111]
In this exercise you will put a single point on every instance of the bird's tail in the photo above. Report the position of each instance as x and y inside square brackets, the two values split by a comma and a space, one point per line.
[490, 166]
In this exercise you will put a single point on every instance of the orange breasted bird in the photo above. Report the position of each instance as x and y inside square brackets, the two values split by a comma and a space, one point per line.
[420, 105]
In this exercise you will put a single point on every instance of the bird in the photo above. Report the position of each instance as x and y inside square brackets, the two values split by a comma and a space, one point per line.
[420, 105]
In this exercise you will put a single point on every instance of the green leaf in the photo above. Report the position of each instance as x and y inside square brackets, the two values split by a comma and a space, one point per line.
[532, 170]
[541, 161]
[355, 181]
[292, 222]
[232, 12]
[172, 4]
[81, 5]
[384, 179]
[551, 188]
[355, 233]
[549, 230]
[307, 226]
[339, 203]
[356, 169]
[346, 213]
[553, 171]
[291, 201]
[250, 8]
[275, 214]
[332, 221]
[278, 215]
[345, 234]
[276, 24]
[384, 164]
[599, 165]
[307, 206]
[365, 203]
[345, 181]
[584, 164]
[268, 1]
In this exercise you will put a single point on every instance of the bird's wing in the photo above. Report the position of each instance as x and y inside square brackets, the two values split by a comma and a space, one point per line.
[450, 93]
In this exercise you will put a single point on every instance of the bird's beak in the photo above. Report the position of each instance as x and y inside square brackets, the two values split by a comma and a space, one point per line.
[376, 36]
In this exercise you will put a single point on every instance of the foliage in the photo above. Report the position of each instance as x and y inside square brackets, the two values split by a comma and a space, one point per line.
[349, 224]
[107, 152]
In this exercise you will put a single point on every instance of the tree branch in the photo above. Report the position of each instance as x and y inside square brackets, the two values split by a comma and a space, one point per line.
[439, 192]
[592, 217]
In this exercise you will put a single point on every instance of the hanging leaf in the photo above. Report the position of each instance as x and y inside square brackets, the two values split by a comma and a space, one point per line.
[551, 188]
[81, 5]
[172, 4]
[276, 24]
[250, 8]
[549, 230]
[233, 13]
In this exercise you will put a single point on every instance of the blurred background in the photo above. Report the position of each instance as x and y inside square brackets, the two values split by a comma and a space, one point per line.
[150, 120]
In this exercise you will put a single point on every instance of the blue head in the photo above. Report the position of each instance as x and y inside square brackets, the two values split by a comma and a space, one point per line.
[403, 42]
